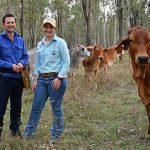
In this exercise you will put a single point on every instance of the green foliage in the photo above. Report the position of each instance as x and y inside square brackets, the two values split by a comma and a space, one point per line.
[70, 20]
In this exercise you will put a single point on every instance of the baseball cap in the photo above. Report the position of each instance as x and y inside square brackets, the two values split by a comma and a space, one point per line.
[50, 20]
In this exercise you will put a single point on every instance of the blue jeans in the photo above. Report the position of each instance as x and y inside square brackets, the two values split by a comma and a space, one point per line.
[43, 91]
[11, 88]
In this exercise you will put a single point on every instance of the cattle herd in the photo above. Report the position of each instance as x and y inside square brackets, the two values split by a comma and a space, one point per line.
[95, 57]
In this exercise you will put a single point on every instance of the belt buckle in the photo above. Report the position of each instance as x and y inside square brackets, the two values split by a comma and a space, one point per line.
[45, 75]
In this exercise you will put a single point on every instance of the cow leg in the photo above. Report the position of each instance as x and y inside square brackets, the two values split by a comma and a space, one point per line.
[95, 75]
[148, 114]
[87, 77]
[106, 72]
[73, 77]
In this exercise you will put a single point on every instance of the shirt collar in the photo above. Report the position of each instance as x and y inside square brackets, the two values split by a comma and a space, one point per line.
[54, 38]
[5, 33]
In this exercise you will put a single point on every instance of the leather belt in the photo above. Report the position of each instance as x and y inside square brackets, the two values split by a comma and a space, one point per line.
[46, 75]
[6, 70]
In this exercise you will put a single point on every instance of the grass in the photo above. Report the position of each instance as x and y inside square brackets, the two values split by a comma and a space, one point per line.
[108, 117]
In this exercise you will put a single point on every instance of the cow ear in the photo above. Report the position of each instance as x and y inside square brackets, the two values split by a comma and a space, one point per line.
[89, 48]
[123, 45]
[79, 45]
[105, 50]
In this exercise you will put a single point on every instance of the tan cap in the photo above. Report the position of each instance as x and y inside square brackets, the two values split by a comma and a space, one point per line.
[50, 20]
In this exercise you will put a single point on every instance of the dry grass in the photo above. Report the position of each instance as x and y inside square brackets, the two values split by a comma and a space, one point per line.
[111, 117]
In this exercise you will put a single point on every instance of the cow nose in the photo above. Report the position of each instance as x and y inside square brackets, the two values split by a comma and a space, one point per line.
[143, 59]
[100, 58]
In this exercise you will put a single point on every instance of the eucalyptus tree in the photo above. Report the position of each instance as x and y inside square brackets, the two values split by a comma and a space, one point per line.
[96, 23]
[21, 17]
[86, 4]
[33, 18]
[137, 12]
[103, 5]
[61, 12]
[68, 14]
[119, 5]
[75, 28]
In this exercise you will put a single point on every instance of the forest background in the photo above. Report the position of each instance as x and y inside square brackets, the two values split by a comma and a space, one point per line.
[78, 21]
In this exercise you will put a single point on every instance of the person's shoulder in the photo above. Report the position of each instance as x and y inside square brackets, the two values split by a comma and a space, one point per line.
[60, 39]
[3, 33]
[39, 43]
[18, 36]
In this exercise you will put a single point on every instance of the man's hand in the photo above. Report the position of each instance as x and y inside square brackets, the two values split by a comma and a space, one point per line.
[20, 65]
[15, 68]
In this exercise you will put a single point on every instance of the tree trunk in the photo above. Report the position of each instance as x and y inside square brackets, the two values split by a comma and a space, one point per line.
[86, 4]
[21, 18]
[120, 19]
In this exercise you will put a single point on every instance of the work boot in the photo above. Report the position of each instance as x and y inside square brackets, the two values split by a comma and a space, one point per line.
[16, 132]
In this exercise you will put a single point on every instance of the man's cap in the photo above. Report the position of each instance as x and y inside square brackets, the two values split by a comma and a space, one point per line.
[50, 20]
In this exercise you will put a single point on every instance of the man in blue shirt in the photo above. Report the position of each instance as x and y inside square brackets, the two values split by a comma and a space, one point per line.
[13, 58]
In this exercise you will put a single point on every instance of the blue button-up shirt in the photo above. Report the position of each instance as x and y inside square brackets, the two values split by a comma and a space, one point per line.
[53, 57]
[12, 52]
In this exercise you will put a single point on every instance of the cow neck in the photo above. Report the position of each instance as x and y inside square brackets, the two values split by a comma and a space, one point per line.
[139, 71]
[77, 60]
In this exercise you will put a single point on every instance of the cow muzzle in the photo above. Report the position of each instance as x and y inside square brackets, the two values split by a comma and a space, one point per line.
[100, 58]
[143, 60]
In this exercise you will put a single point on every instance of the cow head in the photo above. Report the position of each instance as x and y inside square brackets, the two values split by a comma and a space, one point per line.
[98, 52]
[138, 43]
[82, 51]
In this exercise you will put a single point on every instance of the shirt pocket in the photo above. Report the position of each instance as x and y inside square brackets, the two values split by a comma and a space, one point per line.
[54, 54]
[18, 51]
[40, 52]
[6, 50]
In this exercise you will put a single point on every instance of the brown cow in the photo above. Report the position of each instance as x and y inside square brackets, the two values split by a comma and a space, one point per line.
[91, 63]
[138, 43]
[109, 54]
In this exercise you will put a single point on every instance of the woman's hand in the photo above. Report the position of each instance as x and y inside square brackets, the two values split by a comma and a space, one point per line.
[34, 84]
[56, 84]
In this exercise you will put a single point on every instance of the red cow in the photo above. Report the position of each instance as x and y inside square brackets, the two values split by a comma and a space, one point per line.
[109, 55]
[138, 43]
[91, 63]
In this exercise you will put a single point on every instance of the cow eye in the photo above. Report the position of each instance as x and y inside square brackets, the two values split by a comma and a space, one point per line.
[131, 41]
[82, 49]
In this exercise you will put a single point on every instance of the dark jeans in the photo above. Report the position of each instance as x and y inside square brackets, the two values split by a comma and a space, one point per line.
[11, 88]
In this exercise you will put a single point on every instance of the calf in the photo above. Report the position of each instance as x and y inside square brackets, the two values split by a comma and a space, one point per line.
[108, 57]
[138, 43]
[77, 55]
[91, 63]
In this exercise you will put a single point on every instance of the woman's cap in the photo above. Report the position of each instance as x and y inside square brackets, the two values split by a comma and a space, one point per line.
[50, 20]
